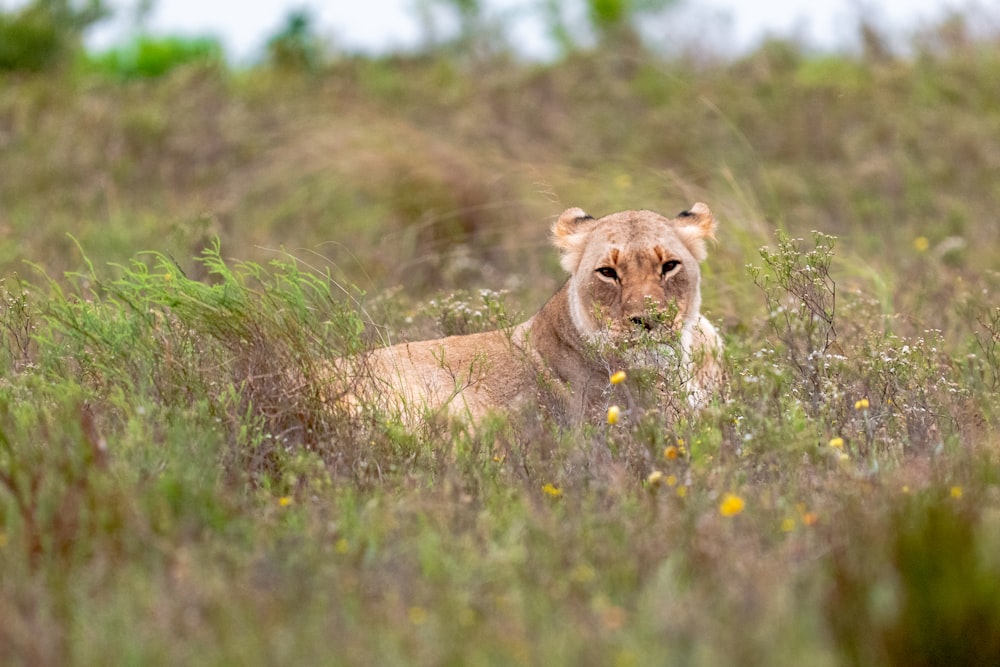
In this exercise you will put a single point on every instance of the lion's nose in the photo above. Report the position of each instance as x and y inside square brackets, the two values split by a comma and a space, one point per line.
[642, 321]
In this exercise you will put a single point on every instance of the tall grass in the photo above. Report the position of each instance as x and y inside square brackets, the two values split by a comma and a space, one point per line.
[180, 480]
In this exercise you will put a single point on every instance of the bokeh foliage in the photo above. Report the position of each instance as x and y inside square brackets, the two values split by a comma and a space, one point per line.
[45, 33]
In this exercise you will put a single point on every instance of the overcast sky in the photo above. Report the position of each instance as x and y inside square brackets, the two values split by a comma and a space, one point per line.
[376, 25]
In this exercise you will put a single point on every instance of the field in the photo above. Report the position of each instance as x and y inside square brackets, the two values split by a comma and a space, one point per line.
[183, 255]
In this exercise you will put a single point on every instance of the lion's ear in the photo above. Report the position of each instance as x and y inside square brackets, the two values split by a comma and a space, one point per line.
[569, 234]
[694, 226]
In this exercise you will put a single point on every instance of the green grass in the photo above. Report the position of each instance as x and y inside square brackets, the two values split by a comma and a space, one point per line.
[186, 258]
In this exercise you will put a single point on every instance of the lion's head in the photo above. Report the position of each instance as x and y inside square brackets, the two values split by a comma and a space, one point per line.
[634, 271]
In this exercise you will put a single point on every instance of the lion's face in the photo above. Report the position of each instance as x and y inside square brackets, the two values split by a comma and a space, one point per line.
[634, 272]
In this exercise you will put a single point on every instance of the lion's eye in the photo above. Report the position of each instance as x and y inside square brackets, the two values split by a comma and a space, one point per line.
[608, 272]
[670, 266]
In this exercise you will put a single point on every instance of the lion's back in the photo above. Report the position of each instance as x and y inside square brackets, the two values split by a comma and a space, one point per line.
[464, 375]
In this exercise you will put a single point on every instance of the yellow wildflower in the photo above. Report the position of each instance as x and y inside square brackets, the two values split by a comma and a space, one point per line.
[921, 244]
[285, 501]
[552, 490]
[731, 505]
[837, 443]
[956, 492]
[671, 452]
[682, 491]
[861, 404]
[671, 480]
[418, 615]
[618, 377]
[787, 524]
[614, 412]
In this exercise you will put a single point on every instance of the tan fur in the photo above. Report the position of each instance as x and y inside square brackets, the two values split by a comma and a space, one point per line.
[569, 348]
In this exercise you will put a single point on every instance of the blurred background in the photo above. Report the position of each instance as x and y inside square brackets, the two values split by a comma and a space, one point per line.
[421, 146]
[730, 26]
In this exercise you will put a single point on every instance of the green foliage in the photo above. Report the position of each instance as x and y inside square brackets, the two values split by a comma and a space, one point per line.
[928, 593]
[610, 17]
[148, 56]
[252, 344]
[801, 299]
[615, 23]
[44, 33]
[52, 479]
[28, 41]
[296, 46]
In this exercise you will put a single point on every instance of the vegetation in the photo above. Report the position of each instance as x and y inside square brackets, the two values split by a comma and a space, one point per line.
[149, 56]
[45, 33]
[187, 256]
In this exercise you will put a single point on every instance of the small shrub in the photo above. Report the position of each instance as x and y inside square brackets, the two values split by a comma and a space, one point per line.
[922, 589]
[17, 323]
[261, 344]
[29, 41]
[150, 57]
[459, 314]
[988, 341]
[801, 299]
[297, 46]
[54, 481]
[44, 33]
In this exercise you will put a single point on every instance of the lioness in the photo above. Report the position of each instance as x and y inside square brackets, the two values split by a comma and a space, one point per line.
[634, 286]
